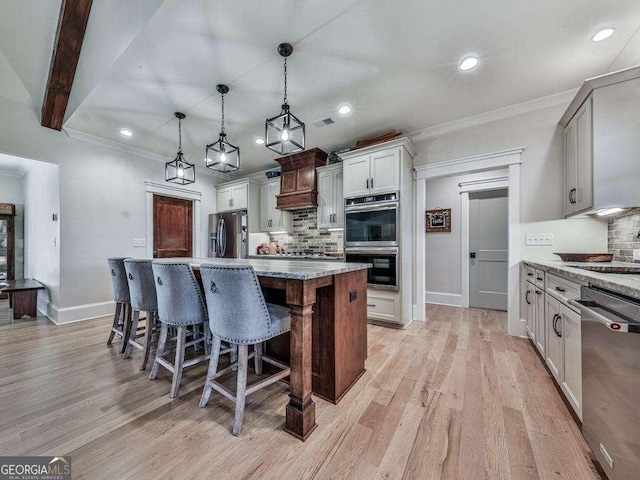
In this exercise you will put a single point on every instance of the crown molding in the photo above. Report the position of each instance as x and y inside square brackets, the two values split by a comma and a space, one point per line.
[562, 98]
[397, 142]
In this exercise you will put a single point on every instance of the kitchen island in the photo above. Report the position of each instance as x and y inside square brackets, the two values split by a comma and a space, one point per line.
[327, 344]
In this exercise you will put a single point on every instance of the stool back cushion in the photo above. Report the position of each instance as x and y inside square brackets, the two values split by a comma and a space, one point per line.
[180, 300]
[237, 310]
[142, 285]
[119, 280]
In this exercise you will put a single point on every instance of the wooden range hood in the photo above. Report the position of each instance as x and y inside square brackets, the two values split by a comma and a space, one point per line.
[298, 182]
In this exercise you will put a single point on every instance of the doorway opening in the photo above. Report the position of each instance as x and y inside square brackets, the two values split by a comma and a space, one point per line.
[172, 227]
[488, 249]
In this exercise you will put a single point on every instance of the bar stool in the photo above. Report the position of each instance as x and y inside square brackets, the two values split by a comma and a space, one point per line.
[142, 291]
[239, 314]
[122, 316]
[180, 304]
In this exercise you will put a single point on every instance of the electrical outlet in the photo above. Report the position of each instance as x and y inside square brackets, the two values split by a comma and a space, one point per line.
[539, 239]
[636, 255]
[139, 242]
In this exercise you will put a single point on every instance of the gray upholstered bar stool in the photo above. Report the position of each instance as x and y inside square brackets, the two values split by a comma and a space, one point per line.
[180, 304]
[122, 316]
[239, 314]
[142, 291]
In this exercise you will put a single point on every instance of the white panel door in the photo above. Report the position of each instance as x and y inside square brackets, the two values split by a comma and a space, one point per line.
[584, 196]
[488, 245]
[276, 215]
[224, 199]
[265, 207]
[356, 176]
[240, 196]
[553, 348]
[326, 198]
[529, 298]
[338, 200]
[570, 168]
[572, 358]
[385, 171]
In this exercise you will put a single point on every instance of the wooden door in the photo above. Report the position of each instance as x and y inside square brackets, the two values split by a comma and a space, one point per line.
[172, 227]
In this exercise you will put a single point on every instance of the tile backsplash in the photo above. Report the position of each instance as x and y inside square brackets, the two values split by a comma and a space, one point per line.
[624, 233]
[306, 237]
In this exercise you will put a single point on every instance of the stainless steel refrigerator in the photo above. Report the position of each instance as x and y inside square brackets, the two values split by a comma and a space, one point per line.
[229, 235]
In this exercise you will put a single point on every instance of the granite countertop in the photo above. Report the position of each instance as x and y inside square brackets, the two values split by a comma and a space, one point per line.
[624, 283]
[293, 269]
[315, 258]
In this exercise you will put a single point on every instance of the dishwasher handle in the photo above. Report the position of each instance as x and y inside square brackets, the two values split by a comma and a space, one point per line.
[622, 327]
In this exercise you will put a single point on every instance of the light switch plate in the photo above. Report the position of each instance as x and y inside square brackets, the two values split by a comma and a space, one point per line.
[636, 255]
[539, 239]
[139, 242]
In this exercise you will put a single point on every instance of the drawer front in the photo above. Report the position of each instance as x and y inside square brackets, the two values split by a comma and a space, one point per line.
[539, 278]
[382, 308]
[562, 287]
[530, 273]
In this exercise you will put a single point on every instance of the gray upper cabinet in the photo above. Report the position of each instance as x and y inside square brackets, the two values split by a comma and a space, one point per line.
[602, 145]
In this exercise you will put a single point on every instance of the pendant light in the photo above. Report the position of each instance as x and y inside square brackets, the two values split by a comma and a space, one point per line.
[221, 156]
[179, 170]
[284, 133]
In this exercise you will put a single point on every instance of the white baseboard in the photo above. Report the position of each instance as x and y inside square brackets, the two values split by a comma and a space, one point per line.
[440, 298]
[78, 313]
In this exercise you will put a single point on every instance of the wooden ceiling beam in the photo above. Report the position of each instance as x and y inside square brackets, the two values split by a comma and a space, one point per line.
[72, 24]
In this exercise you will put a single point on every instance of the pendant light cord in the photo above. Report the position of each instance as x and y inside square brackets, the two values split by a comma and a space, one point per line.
[222, 125]
[179, 135]
[285, 80]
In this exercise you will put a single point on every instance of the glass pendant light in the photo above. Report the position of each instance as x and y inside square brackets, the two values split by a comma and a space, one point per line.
[284, 133]
[179, 170]
[221, 156]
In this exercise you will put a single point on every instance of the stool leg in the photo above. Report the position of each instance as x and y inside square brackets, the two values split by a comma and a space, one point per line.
[211, 372]
[133, 329]
[116, 320]
[241, 388]
[179, 361]
[162, 341]
[258, 358]
[126, 328]
[148, 338]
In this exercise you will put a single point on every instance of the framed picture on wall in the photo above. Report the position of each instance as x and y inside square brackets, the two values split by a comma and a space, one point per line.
[439, 220]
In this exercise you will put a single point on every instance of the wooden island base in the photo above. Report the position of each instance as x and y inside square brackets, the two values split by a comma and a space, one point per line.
[339, 332]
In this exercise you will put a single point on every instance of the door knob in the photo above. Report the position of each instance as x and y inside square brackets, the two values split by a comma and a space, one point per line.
[472, 255]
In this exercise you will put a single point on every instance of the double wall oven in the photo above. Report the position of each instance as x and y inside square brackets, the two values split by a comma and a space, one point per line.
[371, 235]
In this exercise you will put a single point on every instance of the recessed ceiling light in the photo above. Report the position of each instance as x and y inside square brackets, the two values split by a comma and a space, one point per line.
[602, 35]
[259, 141]
[125, 132]
[468, 63]
[344, 109]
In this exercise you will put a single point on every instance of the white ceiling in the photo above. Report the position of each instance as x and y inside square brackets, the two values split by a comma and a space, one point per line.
[393, 60]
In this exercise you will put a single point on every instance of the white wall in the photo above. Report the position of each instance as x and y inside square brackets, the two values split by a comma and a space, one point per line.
[41, 233]
[102, 206]
[11, 190]
[540, 197]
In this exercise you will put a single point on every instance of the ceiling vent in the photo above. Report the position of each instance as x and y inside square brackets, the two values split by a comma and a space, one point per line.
[323, 123]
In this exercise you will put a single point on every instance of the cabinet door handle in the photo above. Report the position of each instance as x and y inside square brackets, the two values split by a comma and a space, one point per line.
[539, 279]
[538, 292]
[526, 297]
[529, 274]
[367, 184]
[561, 290]
[572, 195]
[371, 182]
[371, 305]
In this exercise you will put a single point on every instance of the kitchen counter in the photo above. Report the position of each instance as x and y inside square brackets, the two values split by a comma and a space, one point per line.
[282, 268]
[279, 256]
[624, 283]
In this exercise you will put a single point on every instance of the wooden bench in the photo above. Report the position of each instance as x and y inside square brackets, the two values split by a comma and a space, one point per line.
[23, 297]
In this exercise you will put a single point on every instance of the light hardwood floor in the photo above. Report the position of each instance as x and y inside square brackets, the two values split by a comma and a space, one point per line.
[453, 399]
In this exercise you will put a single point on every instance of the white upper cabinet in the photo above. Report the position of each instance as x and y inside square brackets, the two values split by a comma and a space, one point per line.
[357, 175]
[377, 172]
[330, 197]
[601, 147]
[233, 197]
[271, 218]
[578, 137]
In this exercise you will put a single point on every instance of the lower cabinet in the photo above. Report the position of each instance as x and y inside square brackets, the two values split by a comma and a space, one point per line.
[529, 299]
[553, 350]
[572, 358]
[384, 307]
[540, 337]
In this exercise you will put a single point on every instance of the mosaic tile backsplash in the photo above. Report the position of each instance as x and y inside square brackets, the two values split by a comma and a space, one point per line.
[624, 236]
[306, 237]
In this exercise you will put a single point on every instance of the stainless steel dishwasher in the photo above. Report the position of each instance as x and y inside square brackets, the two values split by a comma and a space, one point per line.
[611, 380]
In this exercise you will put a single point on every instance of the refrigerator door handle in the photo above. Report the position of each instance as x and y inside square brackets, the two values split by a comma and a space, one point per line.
[223, 237]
